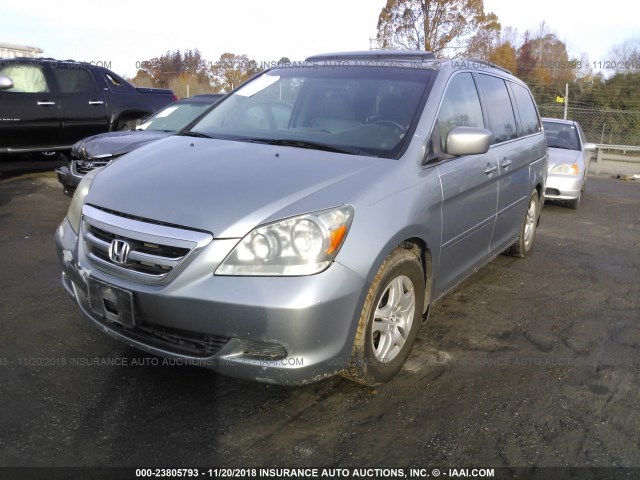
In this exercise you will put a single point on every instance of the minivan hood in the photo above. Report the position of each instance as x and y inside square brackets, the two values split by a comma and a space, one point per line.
[560, 156]
[229, 187]
[115, 143]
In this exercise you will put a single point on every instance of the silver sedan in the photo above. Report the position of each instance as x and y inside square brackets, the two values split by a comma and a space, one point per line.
[568, 160]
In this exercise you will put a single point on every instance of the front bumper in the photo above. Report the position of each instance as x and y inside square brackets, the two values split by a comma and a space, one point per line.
[284, 330]
[563, 187]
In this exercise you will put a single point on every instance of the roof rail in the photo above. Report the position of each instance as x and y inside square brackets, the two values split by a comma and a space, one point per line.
[42, 59]
[374, 55]
[487, 63]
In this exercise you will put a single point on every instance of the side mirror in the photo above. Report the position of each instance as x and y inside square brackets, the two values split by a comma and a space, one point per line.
[589, 147]
[468, 141]
[5, 83]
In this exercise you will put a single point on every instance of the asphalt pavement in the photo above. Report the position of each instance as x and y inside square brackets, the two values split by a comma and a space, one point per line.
[529, 363]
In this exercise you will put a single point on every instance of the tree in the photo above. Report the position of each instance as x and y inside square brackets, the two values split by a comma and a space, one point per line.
[162, 70]
[504, 55]
[526, 59]
[544, 64]
[626, 56]
[436, 25]
[187, 85]
[231, 70]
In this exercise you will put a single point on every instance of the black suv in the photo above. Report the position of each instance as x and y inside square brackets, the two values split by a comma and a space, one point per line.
[47, 104]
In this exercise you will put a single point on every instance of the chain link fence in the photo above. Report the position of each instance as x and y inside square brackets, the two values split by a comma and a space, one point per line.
[601, 126]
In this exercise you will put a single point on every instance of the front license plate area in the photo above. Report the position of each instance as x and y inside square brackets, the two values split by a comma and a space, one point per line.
[112, 303]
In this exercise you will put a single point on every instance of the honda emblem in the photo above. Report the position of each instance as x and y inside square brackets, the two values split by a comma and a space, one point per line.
[119, 251]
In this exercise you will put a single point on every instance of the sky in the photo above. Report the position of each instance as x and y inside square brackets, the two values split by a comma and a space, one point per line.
[124, 33]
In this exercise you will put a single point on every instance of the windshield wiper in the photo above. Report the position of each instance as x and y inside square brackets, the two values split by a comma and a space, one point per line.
[302, 144]
[561, 147]
[196, 134]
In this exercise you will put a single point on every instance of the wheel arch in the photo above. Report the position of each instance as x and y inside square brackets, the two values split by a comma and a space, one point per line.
[410, 239]
[423, 252]
[127, 115]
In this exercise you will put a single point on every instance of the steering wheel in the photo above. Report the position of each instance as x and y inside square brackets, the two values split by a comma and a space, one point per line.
[562, 143]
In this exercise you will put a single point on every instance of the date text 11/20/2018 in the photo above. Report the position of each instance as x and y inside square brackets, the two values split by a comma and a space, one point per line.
[304, 473]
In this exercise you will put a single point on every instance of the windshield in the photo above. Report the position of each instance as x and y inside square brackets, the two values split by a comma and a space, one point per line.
[561, 135]
[359, 110]
[173, 117]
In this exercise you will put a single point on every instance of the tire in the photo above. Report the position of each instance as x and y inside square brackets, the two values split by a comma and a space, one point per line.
[389, 320]
[48, 155]
[575, 203]
[524, 244]
[126, 123]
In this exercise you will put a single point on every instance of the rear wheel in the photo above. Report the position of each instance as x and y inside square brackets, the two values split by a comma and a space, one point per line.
[523, 245]
[389, 320]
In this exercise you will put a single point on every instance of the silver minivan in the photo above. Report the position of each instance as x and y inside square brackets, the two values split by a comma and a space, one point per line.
[304, 225]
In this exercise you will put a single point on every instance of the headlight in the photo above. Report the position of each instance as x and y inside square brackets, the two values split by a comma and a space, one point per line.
[74, 214]
[301, 245]
[566, 169]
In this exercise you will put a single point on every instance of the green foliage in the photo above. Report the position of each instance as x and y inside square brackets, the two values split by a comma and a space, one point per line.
[607, 109]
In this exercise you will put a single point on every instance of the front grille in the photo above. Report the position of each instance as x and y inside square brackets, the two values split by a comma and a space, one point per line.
[154, 251]
[85, 166]
[144, 257]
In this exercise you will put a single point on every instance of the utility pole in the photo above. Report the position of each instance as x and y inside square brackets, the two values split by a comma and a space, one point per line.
[566, 99]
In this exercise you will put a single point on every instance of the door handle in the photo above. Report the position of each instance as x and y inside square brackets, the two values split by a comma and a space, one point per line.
[506, 163]
[46, 104]
[490, 168]
[96, 102]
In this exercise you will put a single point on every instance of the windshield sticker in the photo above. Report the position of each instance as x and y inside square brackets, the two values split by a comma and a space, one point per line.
[166, 112]
[257, 85]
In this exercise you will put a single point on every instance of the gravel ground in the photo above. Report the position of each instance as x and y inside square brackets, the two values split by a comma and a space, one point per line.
[529, 363]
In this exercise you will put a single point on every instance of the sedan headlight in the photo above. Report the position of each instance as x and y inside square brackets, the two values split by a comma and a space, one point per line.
[566, 169]
[74, 214]
[301, 245]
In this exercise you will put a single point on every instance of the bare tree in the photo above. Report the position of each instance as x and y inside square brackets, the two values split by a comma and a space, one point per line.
[626, 56]
[438, 26]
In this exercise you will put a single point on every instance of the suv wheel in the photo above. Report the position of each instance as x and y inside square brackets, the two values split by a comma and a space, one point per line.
[48, 155]
[389, 320]
[127, 123]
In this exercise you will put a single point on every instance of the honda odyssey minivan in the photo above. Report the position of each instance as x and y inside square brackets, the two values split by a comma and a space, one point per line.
[303, 226]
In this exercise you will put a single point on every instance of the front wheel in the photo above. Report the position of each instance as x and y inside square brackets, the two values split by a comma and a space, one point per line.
[389, 319]
[126, 124]
[523, 245]
[575, 203]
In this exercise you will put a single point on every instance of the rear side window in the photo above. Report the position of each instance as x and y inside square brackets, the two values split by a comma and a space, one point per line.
[73, 80]
[460, 106]
[498, 108]
[25, 78]
[529, 121]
